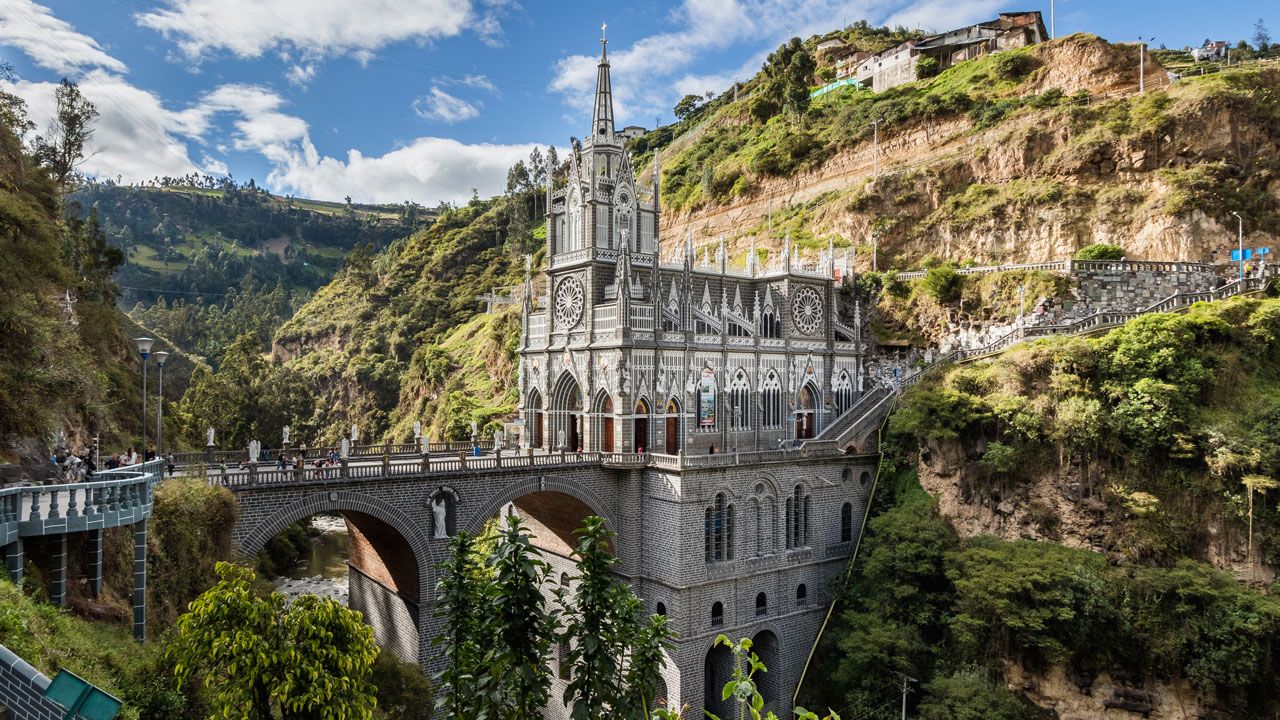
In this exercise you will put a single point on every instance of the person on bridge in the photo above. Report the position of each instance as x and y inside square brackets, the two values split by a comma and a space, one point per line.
[169, 463]
[150, 453]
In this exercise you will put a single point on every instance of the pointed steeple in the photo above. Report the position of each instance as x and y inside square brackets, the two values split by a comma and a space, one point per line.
[602, 117]
[690, 256]
[752, 258]
[786, 253]
[722, 257]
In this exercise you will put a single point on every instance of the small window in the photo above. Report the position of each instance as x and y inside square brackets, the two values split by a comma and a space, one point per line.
[661, 609]
[846, 475]
[562, 652]
[762, 604]
[864, 478]
[717, 614]
[802, 594]
[564, 579]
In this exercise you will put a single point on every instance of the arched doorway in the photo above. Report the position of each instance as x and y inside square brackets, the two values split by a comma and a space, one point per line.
[604, 422]
[640, 433]
[673, 427]
[534, 417]
[566, 415]
[806, 412]
[765, 645]
[717, 671]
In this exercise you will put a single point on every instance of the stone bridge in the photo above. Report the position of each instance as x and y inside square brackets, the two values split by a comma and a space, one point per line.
[396, 546]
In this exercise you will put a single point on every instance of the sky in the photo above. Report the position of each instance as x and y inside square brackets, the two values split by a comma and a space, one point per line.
[424, 100]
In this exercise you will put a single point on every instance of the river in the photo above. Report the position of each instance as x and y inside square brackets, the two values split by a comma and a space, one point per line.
[324, 571]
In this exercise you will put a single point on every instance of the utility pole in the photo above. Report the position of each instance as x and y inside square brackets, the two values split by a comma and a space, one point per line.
[875, 148]
[905, 679]
[1239, 242]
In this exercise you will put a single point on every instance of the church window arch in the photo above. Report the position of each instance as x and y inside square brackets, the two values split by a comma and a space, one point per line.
[771, 400]
[717, 614]
[770, 325]
[740, 401]
[718, 530]
[842, 387]
[798, 515]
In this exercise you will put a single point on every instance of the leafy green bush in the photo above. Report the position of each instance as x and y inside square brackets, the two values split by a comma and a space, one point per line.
[926, 67]
[1013, 65]
[943, 283]
[1100, 251]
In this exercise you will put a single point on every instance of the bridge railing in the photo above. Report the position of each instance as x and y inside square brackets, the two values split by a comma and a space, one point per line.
[111, 498]
[213, 458]
[267, 475]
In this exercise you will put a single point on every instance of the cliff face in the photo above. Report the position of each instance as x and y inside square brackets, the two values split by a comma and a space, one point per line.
[1157, 174]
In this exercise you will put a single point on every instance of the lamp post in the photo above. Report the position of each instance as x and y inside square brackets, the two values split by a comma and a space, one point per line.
[1239, 242]
[161, 356]
[1142, 60]
[144, 349]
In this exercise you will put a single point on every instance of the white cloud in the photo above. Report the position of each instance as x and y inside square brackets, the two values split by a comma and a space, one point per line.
[943, 15]
[301, 75]
[440, 105]
[49, 41]
[214, 166]
[315, 28]
[427, 170]
[136, 135]
[481, 82]
[652, 73]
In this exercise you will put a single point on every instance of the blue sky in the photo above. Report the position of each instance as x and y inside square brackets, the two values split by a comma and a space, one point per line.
[388, 100]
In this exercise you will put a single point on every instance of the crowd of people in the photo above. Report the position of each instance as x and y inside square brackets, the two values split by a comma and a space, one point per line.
[80, 465]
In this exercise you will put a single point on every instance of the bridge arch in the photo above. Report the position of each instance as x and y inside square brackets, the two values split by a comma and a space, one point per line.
[395, 608]
[531, 485]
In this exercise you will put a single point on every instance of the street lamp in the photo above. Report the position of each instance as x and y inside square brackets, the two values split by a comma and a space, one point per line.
[144, 349]
[1239, 241]
[1142, 58]
[161, 356]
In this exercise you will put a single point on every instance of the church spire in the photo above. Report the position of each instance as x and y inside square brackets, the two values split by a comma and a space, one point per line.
[602, 117]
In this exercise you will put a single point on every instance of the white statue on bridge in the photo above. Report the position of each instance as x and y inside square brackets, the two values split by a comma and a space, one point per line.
[284, 440]
[440, 517]
[355, 434]
[255, 450]
[417, 429]
[208, 437]
[346, 448]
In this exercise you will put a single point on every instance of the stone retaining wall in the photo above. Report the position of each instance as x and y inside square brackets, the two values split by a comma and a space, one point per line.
[1127, 287]
[394, 619]
[22, 691]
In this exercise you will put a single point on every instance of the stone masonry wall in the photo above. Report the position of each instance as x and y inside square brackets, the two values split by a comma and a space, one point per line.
[1132, 286]
[394, 619]
[22, 691]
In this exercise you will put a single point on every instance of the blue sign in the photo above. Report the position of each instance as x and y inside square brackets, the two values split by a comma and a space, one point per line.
[1235, 254]
[1264, 251]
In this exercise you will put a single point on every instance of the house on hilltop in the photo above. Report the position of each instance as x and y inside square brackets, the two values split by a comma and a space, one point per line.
[1210, 51]
[897, 65]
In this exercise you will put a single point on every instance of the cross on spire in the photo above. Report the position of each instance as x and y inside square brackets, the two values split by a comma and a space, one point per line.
[602, 117]
[604, 42]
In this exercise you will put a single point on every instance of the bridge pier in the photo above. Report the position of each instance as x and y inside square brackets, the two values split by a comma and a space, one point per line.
[13, 560]
[140, 580]
[58, 575]
[95, 563]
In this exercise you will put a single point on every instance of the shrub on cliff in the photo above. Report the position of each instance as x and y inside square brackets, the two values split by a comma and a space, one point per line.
[1100, 251]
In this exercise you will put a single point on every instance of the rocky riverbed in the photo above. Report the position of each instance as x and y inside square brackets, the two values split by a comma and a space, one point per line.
[324, 572]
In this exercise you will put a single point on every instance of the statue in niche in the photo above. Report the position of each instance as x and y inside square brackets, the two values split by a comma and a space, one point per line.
[440, 516]
[625, 384]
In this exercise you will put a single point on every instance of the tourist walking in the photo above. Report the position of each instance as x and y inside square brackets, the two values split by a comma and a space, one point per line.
[169, 463]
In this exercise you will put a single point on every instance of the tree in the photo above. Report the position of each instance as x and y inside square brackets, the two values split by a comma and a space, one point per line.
[687, 106]
[787, 72]
[525, 627]
[1100, 251]
[926, 67]
[1261, 37]
[62, 147]
[262, 659]
[461, 605]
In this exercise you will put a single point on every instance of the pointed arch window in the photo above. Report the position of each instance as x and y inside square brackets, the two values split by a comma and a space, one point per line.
[740, 401]
[846, 523]
[717, 530]
[770, 326]
[842, 387]
[771, 401]
[798, 512]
